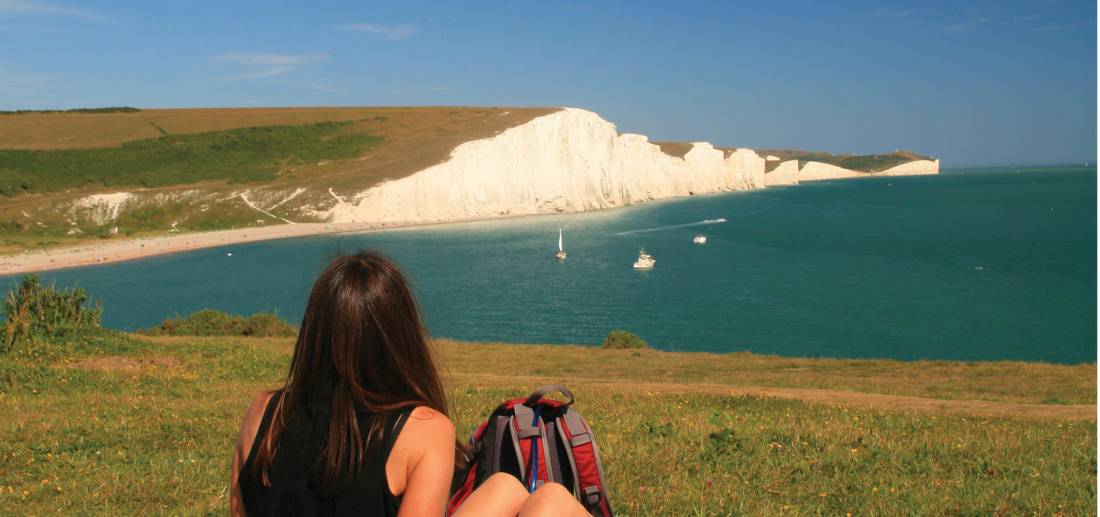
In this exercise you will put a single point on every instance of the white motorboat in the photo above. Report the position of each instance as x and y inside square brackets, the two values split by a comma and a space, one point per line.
[700, 239]
[645, 261]
[560, 255]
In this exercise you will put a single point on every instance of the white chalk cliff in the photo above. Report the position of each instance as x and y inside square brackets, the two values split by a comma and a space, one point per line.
[568, 161]
[814, 171]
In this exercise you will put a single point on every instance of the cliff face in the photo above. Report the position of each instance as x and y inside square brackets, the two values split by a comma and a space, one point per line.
[784, 174]
[568, 161]
[814, 171]
[571, 161]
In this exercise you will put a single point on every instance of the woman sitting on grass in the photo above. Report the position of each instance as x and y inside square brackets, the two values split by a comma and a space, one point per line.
[361, 425]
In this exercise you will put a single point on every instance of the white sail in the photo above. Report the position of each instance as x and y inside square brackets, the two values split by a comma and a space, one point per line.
[560, 247]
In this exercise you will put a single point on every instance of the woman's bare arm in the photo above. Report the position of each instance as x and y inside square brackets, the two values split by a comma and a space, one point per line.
[424, 451]
[249, 426]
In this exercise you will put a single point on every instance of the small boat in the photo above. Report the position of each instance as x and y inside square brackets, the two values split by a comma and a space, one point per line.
[645, 261]
[700, 239]
[560, 255]
[714, 221]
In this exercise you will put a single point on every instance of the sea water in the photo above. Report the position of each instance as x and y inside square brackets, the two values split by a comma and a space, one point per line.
[969, 265]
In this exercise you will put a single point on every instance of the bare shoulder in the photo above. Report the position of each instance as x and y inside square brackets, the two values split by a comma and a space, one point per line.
[252, 418]
[425, 446]
[427, 423]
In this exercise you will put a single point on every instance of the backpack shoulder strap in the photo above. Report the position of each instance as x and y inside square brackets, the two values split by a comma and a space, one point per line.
[586, 457]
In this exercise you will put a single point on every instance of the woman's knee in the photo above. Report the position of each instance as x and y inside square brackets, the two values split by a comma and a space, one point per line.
[551, 499]
[500, 494]
[503, 484]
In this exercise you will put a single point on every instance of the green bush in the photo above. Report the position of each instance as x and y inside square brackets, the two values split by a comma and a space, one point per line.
[36, 312]
[624, 339]
[210, 322]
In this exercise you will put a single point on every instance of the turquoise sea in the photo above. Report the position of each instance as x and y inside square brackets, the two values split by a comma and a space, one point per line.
[975, 264]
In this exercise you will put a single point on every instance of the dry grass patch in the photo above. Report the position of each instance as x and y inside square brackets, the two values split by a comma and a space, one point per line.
[995, 381]
[119, 363]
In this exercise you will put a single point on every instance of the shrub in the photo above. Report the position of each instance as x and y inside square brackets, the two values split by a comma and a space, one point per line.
[624, 339]
[36, 311]
[266, 325]
[210, 322]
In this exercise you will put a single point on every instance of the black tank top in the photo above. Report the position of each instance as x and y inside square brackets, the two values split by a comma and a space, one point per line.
[292, 490]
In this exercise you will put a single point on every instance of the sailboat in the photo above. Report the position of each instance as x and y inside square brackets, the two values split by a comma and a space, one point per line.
[560, 255]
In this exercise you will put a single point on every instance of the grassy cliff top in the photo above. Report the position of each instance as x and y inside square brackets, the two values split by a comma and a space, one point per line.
[97, 128]
[44, 148]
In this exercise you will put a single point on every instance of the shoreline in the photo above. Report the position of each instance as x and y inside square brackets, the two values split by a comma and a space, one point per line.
[112, 251]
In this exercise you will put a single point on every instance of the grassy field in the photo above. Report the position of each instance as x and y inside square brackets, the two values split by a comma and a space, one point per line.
[107, 423]
[253, 154]
[184, 166]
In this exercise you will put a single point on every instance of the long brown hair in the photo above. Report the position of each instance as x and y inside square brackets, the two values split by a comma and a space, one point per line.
[362, 340]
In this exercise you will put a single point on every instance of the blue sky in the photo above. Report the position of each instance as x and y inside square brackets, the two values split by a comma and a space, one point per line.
[980, 83]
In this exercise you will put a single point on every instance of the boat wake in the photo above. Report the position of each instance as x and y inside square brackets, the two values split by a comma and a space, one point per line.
[674, 226]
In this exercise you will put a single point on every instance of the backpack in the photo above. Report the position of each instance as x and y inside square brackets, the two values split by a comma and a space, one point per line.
[537, 435]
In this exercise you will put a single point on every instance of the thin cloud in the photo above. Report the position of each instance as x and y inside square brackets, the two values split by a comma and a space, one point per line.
[965, 26]
[267, 72]
[394, 32]
[34, 7]
[1059, 27]
[270, 59]
[260, 65]
[959, 27]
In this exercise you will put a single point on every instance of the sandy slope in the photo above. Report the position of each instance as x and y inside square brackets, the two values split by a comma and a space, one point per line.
[129, 249]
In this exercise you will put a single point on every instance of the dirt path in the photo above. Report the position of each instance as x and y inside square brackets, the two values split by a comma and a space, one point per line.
[831, 397]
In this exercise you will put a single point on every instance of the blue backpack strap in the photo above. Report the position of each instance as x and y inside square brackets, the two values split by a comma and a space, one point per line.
[526, 428]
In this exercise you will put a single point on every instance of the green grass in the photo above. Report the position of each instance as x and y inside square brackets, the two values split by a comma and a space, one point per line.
[238, 155]
[115, 424]
[1008, 382]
